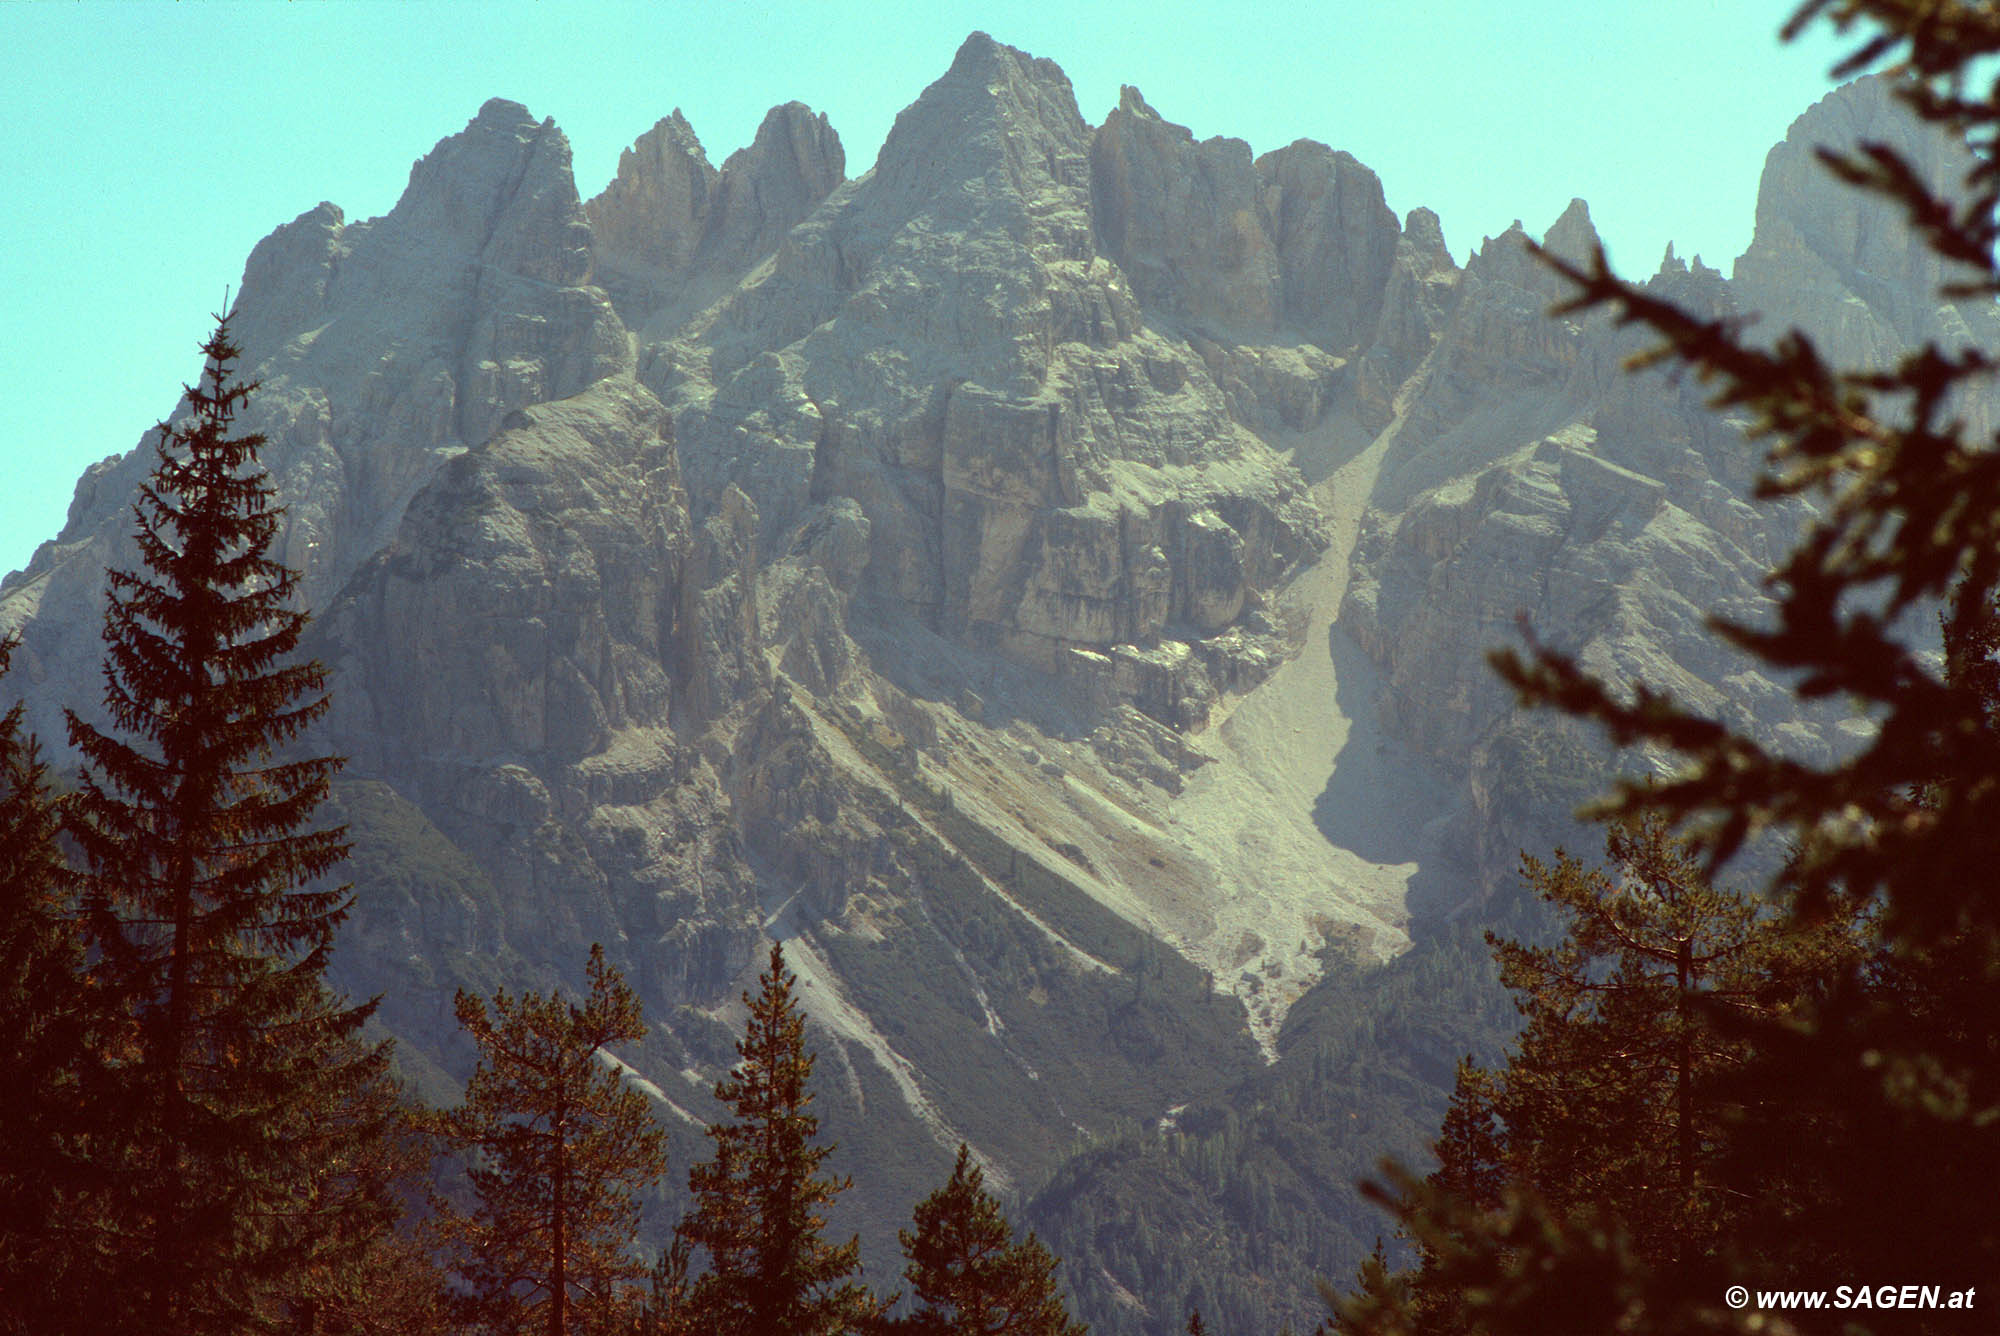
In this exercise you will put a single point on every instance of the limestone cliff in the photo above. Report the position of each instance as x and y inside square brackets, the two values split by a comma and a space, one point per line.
[1043, 579]
[1529, 476]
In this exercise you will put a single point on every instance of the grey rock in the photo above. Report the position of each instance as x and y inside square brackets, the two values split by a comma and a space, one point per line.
[1841, 262]
[672, 233]
[1181, 219]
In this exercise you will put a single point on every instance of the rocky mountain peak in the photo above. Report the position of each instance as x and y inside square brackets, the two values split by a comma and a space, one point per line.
[1424, 234]
[503, 115]
[1133, 103]
[671, 232]
[1181, 219]
[999, 118]
[1820, 243]
[653, 210]
[1335, 239]
[795, 161]
[503, 190]
[1572, 237]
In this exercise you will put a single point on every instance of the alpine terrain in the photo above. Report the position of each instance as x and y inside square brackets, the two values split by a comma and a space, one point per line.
[1043, 580]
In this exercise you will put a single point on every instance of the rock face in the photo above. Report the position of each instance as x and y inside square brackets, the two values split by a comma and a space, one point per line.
[671, 231]
[385, 348]
[937, 569]
[1039, 472]
[1838, 261]
[1527, 476]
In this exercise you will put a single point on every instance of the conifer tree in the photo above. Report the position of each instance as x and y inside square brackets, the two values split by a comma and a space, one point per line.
[1610, 1095]
[1869, 1132]
[667, 1308]
[969, 1275]
[1613, 1101]
[203, 893]
[54, 1255]
[561, 1145]
[372, 1275]
[760, 1204]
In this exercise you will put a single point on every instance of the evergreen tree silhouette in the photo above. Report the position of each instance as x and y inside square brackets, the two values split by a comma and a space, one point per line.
[760, 1204]
[202, 891]
[55, 1254]
[561, 1146]
[970, 1276]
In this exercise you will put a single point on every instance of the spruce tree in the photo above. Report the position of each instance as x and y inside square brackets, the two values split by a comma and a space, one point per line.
[54, 1252]
[1868, 1138]
[760, 1204]
[1614, 1101]
[370, 1274]
[560, 1146]
[968, 1274]
[203, 895]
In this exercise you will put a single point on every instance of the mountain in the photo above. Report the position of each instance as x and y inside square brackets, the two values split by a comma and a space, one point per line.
[1043, 579]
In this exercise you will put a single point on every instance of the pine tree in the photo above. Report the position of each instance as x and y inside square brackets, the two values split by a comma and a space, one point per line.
[368, 1276]
[667, 1308]
[202, 888]
[1613, 1101]
[54, 1253]
[1868, 1135]
[561, 1146]
[760, 1203]
[969, 1275]
[1609, 1098]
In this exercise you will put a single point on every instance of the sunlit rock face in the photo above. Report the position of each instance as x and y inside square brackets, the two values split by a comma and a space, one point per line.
[1843, 264]
[1529, 478]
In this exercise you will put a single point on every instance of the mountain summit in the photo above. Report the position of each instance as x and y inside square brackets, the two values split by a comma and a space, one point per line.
[1043, 579]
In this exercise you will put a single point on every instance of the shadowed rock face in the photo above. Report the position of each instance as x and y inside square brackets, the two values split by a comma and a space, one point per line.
[908, 566]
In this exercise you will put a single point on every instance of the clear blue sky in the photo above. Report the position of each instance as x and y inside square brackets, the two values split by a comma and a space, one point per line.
[146, 147]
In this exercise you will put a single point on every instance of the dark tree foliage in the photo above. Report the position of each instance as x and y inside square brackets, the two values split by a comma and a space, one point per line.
[666, 1309]
[203, 897]
[367, 1279]
[968, 1274]
[53, 1255]
[560, 1147]
[1868, 1137]
[760, 1204]
[1612, 1100]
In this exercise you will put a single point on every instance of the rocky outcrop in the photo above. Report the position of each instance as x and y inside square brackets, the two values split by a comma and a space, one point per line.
[1841, 262]
[1298, 240]
[509, 662]
[794, 162]
[943, 348]
[1335, 239]
[652, 215]
[672, 233]
[384, 348]
[1181, 219]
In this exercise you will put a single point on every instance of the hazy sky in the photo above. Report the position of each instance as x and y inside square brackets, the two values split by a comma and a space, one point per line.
[145, 148]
